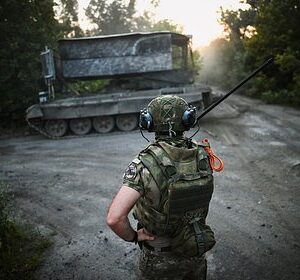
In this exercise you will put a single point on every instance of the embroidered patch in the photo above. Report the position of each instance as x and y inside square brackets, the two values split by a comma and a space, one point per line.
[130, 172]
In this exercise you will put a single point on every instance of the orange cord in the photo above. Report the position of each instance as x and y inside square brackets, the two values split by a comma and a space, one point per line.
[213, 157]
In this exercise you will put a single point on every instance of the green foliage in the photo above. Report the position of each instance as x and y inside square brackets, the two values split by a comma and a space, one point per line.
[21, 252]
[26, 27]
[143, 23]
[117, 17]
[167, 25]
[281, 97]
[21, 249]
[237, 24]
[196, 61]
[67, 13]
[267, 28]
[224, 58]
[5, 208]
[86, 87]
[278, 34]
[111, 17]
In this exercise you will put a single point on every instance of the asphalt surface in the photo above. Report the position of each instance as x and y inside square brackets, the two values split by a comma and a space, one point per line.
[64, 188]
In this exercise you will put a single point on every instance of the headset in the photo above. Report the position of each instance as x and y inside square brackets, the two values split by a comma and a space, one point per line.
[189, 119]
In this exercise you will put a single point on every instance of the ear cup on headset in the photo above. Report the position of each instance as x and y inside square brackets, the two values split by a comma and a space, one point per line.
[189, 117]
[146, 120]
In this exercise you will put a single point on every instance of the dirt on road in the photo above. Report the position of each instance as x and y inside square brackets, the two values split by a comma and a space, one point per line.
[64, 187]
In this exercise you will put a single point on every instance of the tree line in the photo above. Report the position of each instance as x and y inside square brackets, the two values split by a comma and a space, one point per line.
[267, 28]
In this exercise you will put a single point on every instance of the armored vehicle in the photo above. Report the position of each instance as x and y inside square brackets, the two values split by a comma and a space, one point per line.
[137, 67]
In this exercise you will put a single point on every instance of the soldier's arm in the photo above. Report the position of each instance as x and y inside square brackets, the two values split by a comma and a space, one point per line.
[117, 217]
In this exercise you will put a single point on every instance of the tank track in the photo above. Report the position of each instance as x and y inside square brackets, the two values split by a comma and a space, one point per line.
[43, 132]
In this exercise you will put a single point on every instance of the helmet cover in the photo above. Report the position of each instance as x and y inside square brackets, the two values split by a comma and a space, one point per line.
[167, 112]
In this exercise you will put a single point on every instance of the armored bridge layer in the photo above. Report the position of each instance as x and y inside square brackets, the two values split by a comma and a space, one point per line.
[104, 112]
[116, 55]
[139, 66]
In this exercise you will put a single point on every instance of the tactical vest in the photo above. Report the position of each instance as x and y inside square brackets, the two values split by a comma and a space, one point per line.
[185, 181]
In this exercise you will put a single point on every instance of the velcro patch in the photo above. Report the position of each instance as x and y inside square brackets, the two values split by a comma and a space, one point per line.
[130, 172]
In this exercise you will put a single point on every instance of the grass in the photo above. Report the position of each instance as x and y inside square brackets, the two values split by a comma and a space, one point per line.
[21, 247]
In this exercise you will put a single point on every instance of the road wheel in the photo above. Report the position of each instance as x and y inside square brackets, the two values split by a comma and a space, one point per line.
[80, 126]
[56, 128]
[104, 124]
[127, 122]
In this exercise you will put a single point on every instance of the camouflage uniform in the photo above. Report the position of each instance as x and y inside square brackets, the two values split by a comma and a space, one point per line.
[174, 178]
[156, 264]
[165, 266]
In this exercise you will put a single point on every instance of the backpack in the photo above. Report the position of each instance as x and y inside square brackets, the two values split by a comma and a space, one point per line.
[185, 197]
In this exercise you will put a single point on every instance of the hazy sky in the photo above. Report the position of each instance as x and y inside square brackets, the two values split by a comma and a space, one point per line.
[198, 17]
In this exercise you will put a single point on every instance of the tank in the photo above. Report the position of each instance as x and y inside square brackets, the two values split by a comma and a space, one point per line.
[137, 67]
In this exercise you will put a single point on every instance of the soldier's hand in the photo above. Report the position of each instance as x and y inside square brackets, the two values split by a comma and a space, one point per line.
[144, 236]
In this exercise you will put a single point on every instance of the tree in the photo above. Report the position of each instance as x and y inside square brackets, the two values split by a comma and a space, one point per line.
[143, 23]
[278, 35]
[238, 26]
[111, 18]
[267, 28]
[119, 17]
[67, 13]
[166, 24]
[224, 58]
[26, 26]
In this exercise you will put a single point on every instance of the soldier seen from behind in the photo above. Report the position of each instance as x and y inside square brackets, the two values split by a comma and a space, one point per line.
[169, 186]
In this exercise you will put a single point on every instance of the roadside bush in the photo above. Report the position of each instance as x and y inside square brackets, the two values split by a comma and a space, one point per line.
[5, 208]
[282, 97]
[21, 247]
[88, 87]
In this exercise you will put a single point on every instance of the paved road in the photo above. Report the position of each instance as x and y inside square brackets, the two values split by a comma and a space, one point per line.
[64, 187]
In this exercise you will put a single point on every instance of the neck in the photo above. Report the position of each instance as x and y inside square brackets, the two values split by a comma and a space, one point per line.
[166, 137]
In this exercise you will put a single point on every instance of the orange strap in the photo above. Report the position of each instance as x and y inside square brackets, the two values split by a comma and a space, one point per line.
[212, 157]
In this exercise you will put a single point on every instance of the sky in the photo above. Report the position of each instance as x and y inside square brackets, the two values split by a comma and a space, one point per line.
[199, 18]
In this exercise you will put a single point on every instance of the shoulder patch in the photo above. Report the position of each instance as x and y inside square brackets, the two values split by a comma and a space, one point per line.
[130, 172]
[136, 161]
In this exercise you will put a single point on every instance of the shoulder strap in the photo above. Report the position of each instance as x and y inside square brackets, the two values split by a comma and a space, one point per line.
[163, 160]
[150, 163]
[161, 167]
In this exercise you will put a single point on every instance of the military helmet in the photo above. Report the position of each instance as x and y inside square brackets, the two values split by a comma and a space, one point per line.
[166, 114]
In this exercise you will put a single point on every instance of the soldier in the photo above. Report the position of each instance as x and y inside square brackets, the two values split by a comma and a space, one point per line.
[169, 186]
